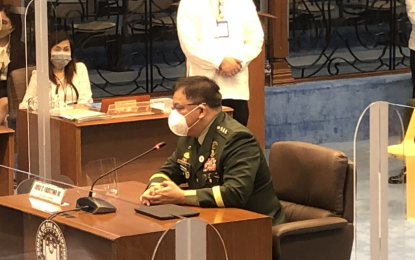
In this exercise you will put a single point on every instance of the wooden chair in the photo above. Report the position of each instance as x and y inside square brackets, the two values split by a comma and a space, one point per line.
[25, 186]
[16, 89]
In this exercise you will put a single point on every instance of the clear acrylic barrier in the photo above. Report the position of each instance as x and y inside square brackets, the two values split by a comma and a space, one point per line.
[80, 150]
[94, 169]
[48, 145]
[87, 236]
[384, 226]
[193, 234]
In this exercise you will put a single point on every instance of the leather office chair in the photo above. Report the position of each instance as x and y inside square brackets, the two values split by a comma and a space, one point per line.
[25, 186]
[16, 89]
[315, 187]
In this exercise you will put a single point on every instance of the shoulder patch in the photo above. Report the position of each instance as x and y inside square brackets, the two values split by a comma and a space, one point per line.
[222, 129]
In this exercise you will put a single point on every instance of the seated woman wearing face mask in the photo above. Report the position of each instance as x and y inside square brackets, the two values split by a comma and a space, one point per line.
[69, 79]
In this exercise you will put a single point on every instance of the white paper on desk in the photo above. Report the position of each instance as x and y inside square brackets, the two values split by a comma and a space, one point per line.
[163, 104]
[81, 114]
[96, 105]
[160, 106]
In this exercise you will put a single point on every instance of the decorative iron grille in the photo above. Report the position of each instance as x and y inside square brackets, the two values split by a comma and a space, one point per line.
[129, 46]
[333, 37]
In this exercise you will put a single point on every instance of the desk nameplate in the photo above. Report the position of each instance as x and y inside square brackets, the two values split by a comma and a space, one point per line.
[48, 192]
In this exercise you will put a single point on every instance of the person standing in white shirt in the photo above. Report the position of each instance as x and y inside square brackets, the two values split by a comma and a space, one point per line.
[220, 38]
[410, 9]
[69, 80]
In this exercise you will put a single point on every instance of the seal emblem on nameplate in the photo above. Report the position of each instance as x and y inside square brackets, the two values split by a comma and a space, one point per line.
[50, 242]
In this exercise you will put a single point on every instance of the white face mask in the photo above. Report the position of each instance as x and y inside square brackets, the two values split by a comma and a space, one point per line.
[60, 59]
[177, 122]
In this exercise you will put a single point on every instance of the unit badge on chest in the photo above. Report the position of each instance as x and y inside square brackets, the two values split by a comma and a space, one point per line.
[185, 165]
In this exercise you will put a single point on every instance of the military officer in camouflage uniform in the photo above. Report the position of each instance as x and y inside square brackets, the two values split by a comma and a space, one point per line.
[219, 159]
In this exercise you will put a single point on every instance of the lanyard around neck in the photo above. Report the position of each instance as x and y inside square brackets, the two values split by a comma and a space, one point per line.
[64, 88]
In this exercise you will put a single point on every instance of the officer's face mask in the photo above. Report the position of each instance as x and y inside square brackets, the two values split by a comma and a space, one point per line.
[177, 122]
[60, 59]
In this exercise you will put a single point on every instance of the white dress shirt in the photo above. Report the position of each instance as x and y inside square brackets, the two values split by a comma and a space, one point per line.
[410, 10]
[80, 81]
[197, 30]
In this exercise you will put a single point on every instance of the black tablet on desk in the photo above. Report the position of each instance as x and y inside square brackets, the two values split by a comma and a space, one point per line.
[168, 211]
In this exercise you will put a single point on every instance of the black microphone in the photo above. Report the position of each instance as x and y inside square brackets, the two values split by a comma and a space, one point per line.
[100, 206]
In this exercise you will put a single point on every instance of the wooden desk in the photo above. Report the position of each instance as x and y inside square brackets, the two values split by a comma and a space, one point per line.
[74, 145]
[6, 159]
[129, 235]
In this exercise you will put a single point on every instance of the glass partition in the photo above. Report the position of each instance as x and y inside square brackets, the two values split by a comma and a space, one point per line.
[127, 47]
[383, 144]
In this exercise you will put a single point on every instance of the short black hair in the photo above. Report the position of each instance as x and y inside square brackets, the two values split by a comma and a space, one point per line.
[200, 89]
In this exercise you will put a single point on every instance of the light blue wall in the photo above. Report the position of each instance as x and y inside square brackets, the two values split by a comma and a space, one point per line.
[328, 111]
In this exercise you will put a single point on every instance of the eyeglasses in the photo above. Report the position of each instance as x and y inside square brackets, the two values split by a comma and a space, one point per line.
[181, 106]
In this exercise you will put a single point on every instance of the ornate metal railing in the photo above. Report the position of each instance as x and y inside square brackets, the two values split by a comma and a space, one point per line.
[333, 37]
[138, 52]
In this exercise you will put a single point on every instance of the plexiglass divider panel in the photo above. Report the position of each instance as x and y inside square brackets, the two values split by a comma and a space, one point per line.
[383, 205]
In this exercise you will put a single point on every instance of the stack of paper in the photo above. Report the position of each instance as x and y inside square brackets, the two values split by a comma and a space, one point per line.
[82, 115]
[164, 104]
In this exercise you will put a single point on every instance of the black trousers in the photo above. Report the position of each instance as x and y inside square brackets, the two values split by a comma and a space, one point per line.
[240, 109]
[412, 65]
[407, 113]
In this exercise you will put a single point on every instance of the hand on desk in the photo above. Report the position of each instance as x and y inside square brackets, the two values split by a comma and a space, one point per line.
[166, 192]
[150, 192]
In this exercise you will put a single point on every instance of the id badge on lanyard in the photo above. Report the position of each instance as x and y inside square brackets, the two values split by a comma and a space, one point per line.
[222, 29]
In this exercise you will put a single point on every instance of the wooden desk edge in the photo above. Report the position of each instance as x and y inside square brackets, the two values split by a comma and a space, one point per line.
[159, 226]
[5, 130]
[123, 119]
